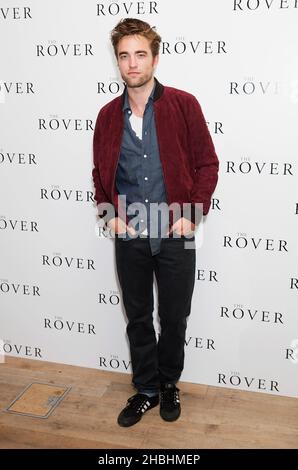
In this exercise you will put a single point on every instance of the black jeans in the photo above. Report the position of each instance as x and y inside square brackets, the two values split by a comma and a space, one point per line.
[155, 362]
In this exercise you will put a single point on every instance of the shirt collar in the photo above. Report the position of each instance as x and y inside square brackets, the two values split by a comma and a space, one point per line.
[126, 101]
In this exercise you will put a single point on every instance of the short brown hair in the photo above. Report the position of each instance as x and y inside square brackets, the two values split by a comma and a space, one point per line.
[130, 26]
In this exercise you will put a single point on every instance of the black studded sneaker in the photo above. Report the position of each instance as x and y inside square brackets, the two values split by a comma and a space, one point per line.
[170, 408]
[136, 406]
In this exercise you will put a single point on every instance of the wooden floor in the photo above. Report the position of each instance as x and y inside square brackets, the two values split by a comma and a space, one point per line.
[211, 417]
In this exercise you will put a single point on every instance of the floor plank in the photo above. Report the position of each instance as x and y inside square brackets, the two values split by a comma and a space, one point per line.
[212, 417]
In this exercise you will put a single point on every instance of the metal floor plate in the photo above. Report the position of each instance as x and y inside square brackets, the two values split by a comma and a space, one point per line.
[38, 400]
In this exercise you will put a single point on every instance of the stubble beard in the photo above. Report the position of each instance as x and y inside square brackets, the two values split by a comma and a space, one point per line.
[141, 81]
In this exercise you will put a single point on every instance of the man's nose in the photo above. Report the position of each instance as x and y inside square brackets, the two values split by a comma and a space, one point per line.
[132, 62]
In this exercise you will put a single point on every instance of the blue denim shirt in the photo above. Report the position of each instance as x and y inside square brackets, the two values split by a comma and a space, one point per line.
[139, 174]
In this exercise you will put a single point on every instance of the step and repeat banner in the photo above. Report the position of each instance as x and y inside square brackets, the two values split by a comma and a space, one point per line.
[59, 294]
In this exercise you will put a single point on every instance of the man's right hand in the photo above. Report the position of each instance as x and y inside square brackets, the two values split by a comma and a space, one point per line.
[118, 226]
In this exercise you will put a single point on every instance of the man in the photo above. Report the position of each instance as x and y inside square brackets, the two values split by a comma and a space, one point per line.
[152, 147]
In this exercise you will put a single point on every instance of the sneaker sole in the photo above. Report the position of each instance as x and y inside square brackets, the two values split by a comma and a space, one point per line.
[170, 419]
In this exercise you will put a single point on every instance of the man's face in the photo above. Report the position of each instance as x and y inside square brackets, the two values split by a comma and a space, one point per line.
[135, 60]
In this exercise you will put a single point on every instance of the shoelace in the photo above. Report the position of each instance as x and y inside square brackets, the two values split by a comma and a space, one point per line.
[139, 403]
[170, 396]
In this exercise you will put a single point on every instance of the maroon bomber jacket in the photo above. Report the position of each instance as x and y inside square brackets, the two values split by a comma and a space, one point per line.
[187, 154]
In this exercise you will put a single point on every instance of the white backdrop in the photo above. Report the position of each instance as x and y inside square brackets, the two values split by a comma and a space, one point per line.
[59, 293]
